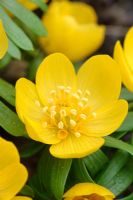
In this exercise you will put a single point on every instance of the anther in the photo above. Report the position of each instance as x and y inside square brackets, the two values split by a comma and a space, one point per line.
[45, 109]
[61, 87]
[94, 114]
[76, 96]
[67, 91]
[69, 88]
[72, 123]
[50, 100]
[37, 103]
[79, 92]
[60, 125]
[85, 99]
[77, 134]
[83, 116]
[80, 104]
[73, 111]
[52, 108]
[88, 92]
[53, 113]
[53, 92]
[44, 124]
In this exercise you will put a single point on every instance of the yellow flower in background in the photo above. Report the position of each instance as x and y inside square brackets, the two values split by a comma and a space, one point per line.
[72, 29]
[13, 174]
[72, 112]
[28, 4]
[88, 191]
[124, 57]
[3, 41]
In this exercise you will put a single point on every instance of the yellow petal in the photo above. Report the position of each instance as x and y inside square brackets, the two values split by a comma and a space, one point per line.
[21, 198]
[37, 132]
[27, 101]
[8, 153]
[54, 71]
[3, 41]
[73, 33]
[88, 189]
[12, 179]
[125, 68]
[100, 75]
[128, 47]
[107, 119]
[76, 147]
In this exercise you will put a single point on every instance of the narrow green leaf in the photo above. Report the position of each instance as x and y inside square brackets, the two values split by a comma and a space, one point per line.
[95, 162]
[80, 172]
[13, 50]
[122, 180]
[119, 144]
[7, 92]
[14, 32]
[41, 4]
[27, 191]
[31, 20]
[30, 148]
[129, 197]
[53, 173]
[127, 124]
[114, 166]
[10, 122]
[125, 94]
[5, 61]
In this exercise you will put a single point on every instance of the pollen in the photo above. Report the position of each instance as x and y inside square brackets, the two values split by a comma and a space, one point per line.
[37, 103]
[65, 111]
[60, 125]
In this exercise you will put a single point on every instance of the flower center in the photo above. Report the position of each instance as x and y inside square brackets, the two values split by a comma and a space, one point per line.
[66, 111]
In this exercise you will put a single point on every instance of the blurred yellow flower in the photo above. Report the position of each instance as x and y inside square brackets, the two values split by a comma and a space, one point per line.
[88, 191]
[3, 41]
[124, 57]
[72, 112]
[28, 4]
[72, 30]
[13, 174]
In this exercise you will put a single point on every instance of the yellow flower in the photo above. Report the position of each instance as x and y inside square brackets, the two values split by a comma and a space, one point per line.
[88, 191]
[72, 113]
[13, 174]
[28, 4]
[72, 30]
[124, 57]
[3, 41]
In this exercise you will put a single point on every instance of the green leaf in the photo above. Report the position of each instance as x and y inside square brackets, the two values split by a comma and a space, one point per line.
[7, 92]
[119, 144]
[41, 4]
[10, 122]
[79, 171]
[27, 17]
[114, 166]
[122, 180]
[95, 162]
[30, 148]
[5, 61]
[129, 197]
[53, 173]
[127, 124]
[14, 32]
[27, 191]
[125, 94]
[13, 50]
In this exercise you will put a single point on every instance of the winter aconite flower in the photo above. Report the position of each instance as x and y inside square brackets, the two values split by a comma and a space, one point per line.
[3, 41]
[72, 29]
[72, 112]
[124, 57]
[88, 191]
[13, 174]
